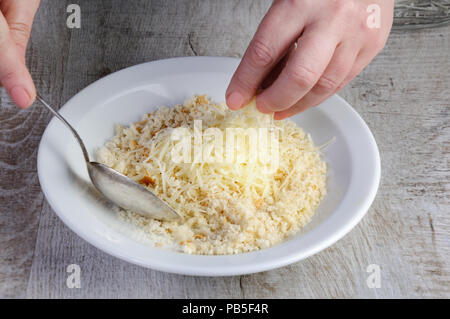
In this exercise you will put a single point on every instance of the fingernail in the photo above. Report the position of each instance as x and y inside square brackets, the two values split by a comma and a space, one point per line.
[278, 116]
[235, 100]
[20, 96]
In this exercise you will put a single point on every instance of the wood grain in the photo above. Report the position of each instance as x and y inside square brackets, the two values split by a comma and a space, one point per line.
[403, 96]
[21, 199]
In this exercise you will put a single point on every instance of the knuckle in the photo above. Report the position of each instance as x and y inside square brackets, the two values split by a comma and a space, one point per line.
[243, 81]
[294, 4]
[345, 7]
[302, 76]
[261, 53]
[326, 85]
[23, 30]
[7, 78]
[347, 15]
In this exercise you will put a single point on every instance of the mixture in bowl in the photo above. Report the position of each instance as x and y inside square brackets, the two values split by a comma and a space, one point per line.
[240, 180]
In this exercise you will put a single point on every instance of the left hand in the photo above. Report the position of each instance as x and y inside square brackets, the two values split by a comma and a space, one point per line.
[16, 19]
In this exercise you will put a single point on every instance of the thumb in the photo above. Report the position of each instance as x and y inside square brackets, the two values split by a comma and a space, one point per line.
[14, 75]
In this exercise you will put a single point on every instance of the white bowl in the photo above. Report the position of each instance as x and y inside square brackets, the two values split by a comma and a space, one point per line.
[353, 160]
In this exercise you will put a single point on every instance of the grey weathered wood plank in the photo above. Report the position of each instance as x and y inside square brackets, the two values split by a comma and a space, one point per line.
[20, 131]
[403, 96]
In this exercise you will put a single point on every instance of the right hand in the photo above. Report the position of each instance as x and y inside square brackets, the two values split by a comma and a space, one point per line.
[16, 19]
[304, 51]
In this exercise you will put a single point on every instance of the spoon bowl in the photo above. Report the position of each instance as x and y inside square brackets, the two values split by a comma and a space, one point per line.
[117, 187]
[128, 194]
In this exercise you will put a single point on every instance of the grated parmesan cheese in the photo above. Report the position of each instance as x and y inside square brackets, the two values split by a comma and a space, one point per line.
[227, 207]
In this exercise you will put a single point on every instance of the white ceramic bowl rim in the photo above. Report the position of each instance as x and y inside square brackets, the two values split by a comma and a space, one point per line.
[355, 202]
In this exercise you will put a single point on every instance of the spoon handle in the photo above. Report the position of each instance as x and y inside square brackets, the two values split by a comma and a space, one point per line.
[62, 119]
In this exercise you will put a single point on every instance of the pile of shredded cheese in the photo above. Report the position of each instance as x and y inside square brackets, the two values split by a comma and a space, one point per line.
[226, 207]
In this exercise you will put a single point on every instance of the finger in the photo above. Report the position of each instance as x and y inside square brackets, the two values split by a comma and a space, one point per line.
[362, 60]
[276, 70]
[277, 31]
[315, 50]
[19, 15]
[14, 75]
[336, 72]
[294, 109]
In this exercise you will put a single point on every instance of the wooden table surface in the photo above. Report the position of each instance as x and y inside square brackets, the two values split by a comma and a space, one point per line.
[403, 95]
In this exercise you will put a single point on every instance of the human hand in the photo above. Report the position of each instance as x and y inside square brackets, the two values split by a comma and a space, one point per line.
[16, 19]
[306, 50]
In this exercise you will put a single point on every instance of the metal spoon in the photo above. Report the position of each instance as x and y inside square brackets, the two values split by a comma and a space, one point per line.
[118, 188]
